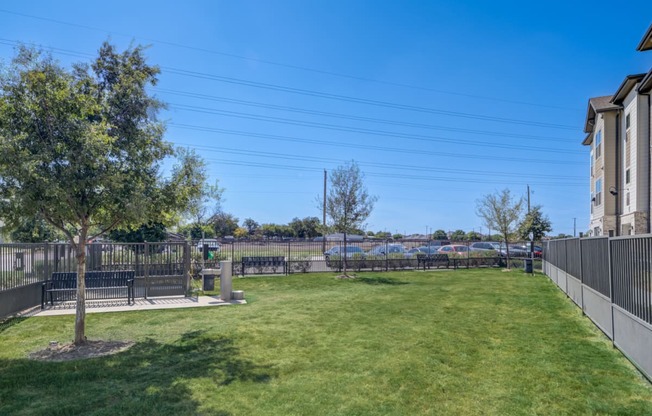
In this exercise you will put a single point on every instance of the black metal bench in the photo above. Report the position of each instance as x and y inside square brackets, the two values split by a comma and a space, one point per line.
[66, 282]
[273, 262]
[436, 260]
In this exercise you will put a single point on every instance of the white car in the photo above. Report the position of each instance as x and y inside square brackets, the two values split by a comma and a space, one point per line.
[213, 245]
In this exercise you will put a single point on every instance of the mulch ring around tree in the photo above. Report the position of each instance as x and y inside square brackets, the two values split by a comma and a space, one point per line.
[90, 349]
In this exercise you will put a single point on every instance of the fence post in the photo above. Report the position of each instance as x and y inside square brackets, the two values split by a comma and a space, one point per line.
[46, 262]
[579, 242]
[146, 267]
[287, 263]
[386, 255]
[566, 266]
[611, 291]
[186, 266]
[232, 251]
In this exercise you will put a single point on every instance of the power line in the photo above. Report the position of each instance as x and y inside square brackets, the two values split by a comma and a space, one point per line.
[290, 66]
[358, 100]
[294, 122]
[382, 175]
[368, 147]
[221, 149]
[366, 101]
[351, 117]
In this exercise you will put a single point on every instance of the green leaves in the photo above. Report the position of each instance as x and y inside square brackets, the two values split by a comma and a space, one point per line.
[82, 147]
[348, 203]
[536, 223]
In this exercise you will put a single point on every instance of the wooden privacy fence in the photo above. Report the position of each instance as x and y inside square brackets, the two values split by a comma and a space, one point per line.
[610, 279]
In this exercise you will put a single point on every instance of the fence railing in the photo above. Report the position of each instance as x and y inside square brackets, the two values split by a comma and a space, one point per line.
[610, 279]
[160, 268]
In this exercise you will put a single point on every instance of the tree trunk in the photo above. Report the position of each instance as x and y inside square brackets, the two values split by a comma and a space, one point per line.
[345, 254]
[507, 251]
[80, 313]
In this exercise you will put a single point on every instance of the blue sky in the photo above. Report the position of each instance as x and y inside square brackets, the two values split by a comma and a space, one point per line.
[439, 102]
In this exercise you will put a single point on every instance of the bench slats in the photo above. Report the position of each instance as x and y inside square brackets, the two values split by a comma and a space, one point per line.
[95, 280]
[263, 261]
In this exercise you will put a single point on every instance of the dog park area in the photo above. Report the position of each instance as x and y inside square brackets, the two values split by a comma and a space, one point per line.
[460, 342]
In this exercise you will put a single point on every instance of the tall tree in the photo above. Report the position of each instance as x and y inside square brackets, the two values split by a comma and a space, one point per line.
[251, 226]
[34, 230]
[224, 224]
[473, 236]
[440, 235]
[458, 235]
[501, 211]
[150, 232]
[207, 200]
[535, 222]
[348, 204]
[82, 148]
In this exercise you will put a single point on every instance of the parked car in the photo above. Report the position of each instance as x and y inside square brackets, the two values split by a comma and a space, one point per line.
[453, 249]
[389, 249]
[213, 245]
[516, 251]
[349, 252]
[482, 246]
[425, 250]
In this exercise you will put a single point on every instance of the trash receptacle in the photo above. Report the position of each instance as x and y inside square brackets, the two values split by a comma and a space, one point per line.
[527, 265]
[208, 277]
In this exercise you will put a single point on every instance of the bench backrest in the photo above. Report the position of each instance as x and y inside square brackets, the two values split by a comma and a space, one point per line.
[265, 260]
[434, 257]
[94, 279]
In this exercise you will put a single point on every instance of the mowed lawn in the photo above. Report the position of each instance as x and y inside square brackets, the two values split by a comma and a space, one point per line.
[462, 342]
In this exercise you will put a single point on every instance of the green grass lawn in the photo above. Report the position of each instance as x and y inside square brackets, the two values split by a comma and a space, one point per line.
[462, 342]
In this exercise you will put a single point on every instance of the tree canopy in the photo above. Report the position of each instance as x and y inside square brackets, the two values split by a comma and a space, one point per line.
[82, 147]
[348, 204]
[440, 235]
[534, 222]
[501, 211]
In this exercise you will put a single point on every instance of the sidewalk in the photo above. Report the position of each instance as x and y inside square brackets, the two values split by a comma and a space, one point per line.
[120, 305]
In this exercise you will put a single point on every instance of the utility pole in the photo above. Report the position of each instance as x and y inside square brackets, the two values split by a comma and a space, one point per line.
[531, 231]
[324, 213]
[574, 226]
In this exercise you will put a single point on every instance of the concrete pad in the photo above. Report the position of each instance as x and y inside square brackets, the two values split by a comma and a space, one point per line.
[120, 305]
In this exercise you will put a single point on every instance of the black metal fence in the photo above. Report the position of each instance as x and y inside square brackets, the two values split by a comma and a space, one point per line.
[320, 256]
[595, 264]
[161, 269]
[631, 278]
[613, 286]
[619, 268]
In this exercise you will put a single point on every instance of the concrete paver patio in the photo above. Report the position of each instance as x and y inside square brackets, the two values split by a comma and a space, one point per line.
[120, 305]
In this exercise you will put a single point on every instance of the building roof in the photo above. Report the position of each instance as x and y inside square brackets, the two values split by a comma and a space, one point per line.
[646, 84]
[597, 105]
[646, 42]
[628, 83]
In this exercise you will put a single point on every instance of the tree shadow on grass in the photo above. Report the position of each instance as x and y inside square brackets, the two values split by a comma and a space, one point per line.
[9, 322]
[378, 280]
[149, 378]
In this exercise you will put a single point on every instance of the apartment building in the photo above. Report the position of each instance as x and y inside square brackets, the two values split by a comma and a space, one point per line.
[618, 129]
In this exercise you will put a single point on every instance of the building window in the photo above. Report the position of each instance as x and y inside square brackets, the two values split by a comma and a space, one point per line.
[627, 198]
[598, 142]
[598, 192]
[627, 121]
[628, 149]
[591, 163]
[627, 176]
